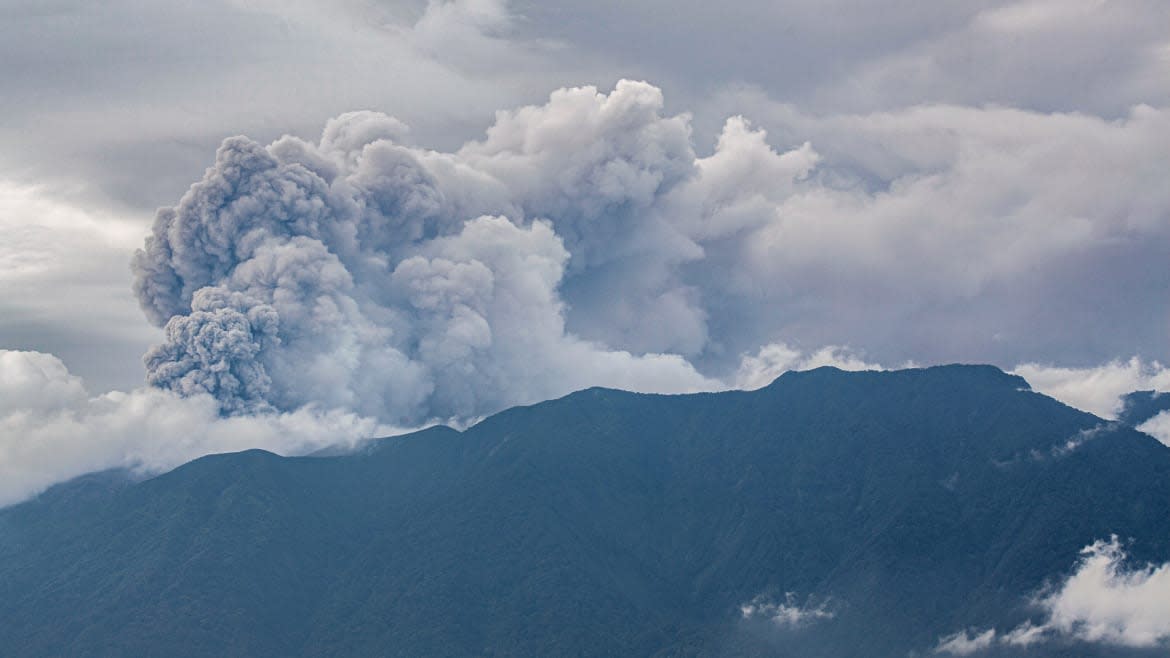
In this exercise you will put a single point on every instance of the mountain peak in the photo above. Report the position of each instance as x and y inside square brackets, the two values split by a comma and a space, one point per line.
[955, 374]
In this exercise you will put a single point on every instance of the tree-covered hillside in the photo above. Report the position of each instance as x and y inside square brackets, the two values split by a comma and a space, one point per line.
[902, 506]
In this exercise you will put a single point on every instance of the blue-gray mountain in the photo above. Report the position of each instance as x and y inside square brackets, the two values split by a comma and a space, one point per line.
[907, 505]
[1140, 406]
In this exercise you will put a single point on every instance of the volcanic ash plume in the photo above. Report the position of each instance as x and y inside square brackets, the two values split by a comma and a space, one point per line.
[404, 284]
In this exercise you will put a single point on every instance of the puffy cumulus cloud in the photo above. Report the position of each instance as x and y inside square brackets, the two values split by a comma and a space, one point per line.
[789, 613]
[584, 241]
[52, 429]
[1103, 601]
[1099, 389]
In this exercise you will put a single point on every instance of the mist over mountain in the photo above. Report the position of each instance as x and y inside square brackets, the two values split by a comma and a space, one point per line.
[940, 510]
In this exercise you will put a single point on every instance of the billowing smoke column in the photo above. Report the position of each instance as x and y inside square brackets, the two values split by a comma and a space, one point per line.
[406, 284]
[583, 242]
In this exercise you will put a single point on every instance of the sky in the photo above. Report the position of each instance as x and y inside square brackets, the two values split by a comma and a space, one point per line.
[281, 224]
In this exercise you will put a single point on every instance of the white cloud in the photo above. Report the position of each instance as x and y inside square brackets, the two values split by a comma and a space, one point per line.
[52, 429]
[789, 613]
[774, 359]
[965, 643]
[1099, 389]
[1073, 443]
[1103, 601]
[1158, 427]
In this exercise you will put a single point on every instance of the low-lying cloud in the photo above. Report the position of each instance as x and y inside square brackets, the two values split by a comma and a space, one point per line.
[774, 359]
[1158, 427]
[1103, 601]
[789, 613]
[1100, 389]
[53, 429]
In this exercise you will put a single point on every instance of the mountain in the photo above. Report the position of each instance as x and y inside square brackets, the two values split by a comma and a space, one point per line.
[902, 505]
[1140, 406]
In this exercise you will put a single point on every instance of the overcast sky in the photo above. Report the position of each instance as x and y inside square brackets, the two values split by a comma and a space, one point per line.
[113, 109]
[444, 208]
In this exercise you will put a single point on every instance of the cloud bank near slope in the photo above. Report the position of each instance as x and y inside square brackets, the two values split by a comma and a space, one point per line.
[1102, 601]
[583, 241]
[1097, 390]
[53, 429]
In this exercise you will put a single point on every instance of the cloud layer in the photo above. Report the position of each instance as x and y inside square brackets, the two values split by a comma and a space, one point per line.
[52, 428]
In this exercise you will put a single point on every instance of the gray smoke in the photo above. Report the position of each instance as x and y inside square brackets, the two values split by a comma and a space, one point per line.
[404, 284]
[584, 242]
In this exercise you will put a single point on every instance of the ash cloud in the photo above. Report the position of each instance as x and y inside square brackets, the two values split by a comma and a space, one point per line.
[404, 284]
[584, 241]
